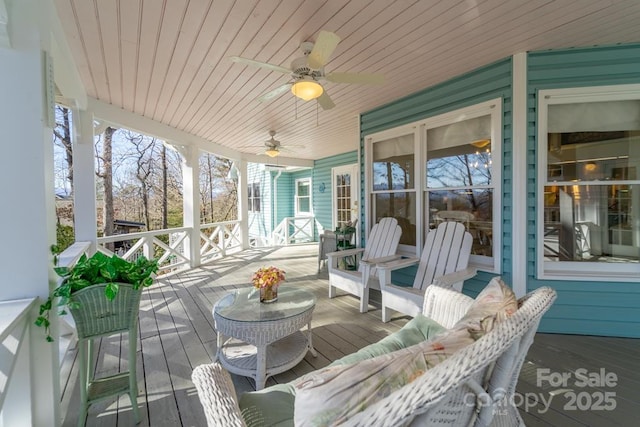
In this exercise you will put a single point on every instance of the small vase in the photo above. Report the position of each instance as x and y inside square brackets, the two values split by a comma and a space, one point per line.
[269, 294]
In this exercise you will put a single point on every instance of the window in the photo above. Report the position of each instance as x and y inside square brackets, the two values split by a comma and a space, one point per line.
[589, 183]
[303, 197]
[462, 176]
[453, 155]
[391, 184]
[254, 197]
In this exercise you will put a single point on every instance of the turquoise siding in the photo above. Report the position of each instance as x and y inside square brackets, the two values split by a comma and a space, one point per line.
[490, 82]
[260, 222]
[284, 207]
[322, 175]
[595, 308]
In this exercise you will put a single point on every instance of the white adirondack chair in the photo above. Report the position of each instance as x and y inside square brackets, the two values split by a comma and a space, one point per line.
[443, 262]
[381, 247]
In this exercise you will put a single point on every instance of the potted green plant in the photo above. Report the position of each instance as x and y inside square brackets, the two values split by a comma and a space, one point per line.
[99, 270]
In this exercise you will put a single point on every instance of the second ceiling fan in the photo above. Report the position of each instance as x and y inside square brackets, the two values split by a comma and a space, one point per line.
[307, 72]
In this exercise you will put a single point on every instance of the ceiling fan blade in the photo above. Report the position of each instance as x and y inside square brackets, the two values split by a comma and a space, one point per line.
[259, 64]
[325, 101]
[274, 93]
[364, 78]
[324, 46]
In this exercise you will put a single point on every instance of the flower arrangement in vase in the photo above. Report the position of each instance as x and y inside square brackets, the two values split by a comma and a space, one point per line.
[267, 280]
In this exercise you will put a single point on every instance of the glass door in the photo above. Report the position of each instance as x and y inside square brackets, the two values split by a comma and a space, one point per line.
[345, 198]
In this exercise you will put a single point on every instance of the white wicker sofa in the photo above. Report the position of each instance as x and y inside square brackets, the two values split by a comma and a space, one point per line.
[467, 388]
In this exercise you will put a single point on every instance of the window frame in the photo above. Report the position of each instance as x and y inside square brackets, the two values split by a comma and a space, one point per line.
[578, 270]
[297, 198]
[493, 109]
[410, 129]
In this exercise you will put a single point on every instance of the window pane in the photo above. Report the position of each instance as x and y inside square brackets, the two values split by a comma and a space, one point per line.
[250, 191]
[591, 223]
[401, 206]
[473, 208]
[593, 156]
[303, 188]
[256, 190]
[393, 164]
[303, 205]
[459, 154]
[256, 205]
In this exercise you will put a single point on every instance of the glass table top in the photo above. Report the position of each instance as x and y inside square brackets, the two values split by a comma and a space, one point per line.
[243, 305]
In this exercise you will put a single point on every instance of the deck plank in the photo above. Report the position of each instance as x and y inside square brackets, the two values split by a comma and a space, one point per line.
[177, 333]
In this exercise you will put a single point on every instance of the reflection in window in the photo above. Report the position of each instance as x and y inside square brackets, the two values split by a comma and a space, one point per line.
[254, 197]
[401, 206]
[473, 208]
[393, 164]
[459, 179]
[393, 183]
[592, 188]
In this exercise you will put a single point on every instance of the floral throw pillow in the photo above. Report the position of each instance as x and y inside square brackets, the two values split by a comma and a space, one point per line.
[332, 395]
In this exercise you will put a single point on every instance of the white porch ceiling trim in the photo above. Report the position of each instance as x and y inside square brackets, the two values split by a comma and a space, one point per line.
[145, 125]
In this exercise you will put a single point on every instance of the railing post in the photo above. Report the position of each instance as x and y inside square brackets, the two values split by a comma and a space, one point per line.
[243, 202]
[286, 232]
[147, 247]
[221, 241]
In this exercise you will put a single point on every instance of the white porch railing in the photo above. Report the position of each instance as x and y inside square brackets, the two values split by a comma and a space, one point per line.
[16, 323]
[294, 230]
[218, 238]
[166, 245]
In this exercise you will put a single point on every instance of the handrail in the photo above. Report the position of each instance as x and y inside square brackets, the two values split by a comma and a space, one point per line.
[140, 234]
[72, 254]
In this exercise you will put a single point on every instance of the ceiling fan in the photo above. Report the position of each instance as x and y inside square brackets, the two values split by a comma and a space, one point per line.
[273, 146]
[307, 72]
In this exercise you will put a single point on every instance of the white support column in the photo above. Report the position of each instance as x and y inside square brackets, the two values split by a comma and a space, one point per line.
[243, 201]
[28, 214]
[519, 179]
[84, 178]
[191, 201]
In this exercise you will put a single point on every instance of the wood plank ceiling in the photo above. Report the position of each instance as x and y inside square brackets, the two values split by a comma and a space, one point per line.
[169, 59]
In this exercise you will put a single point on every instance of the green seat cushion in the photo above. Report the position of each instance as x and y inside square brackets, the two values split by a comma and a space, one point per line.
[418, 329]
[274, 405]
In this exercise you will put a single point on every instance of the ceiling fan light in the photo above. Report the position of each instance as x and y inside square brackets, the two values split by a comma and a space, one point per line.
[481, 143]
[272, 152]
[307, 89]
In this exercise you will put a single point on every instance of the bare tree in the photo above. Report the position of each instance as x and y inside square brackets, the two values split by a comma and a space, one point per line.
[143, 153]
[62, 138]
[105, 171]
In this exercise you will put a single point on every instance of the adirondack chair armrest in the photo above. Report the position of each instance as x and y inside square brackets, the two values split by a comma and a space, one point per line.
[398, 263]
[450, 280]
[345, 253]
[380, 260]
[385, 269]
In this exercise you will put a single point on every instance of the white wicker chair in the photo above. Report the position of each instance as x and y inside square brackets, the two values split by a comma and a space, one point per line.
[444, 262]
[466, 389]
[381, 247]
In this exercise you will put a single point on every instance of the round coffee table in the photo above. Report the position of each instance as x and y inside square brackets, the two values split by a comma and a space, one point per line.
[259, 340]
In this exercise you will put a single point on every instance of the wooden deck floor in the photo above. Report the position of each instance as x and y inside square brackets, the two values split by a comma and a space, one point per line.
[177, 334]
